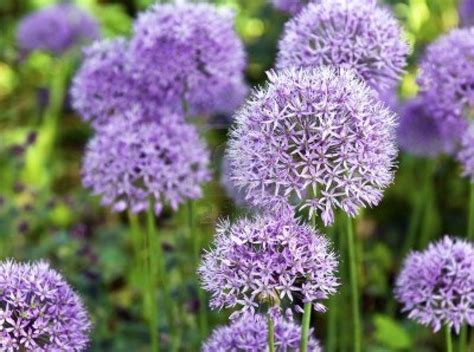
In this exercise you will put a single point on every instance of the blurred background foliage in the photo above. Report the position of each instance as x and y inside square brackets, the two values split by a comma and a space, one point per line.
[45, 212]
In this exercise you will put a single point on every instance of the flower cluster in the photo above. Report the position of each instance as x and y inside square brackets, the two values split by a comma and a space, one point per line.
[436, 286]
[466, 12]
[292, 6]
[466, 153]
[355, 34]
[249, 334]
[193, 50]
[319, 137]
[419, 132]
[132, 161]
[56, 28]
[267, 259]
[447, 77]
[39, 311]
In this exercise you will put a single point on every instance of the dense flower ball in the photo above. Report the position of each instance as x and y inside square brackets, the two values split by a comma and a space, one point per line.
[56, 28]
[354, 34]
[39, 311]
[292, 6]
[466, 153]
[436, 286]
[130, 162]
[447, 76]
[190, 49]
[267, 259]
[466, 12]
[419, 132]
[319, 137]
[249, 334]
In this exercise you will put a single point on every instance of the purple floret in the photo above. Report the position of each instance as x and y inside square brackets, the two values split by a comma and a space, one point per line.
[39, 311]
[267, 259]
[466, 12]
[317, 137]
[292, 6]
[466, 153]
[436, 286]
[355, 34]
[132, 161]
[56, 28]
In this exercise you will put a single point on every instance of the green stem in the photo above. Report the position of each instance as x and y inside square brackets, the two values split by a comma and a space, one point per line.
[305, 328]
[429, 210]
[151, 247]
[271, 334]
[449, 339]
[470, 226]
[136, 242]
[354, 286]
[196, 238]
[463, 339]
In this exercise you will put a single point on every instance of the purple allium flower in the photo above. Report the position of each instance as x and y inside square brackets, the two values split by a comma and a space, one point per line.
[319, 137]
[56, 28]
[466, 153]
[249, 334]
[268, 259]
[419, 132]
[447, 76]
[131, 162]
[230, 188]
[466, 12]
[436, 286]
[292, 6]
[190, 49]
[354, 34]
[39, 311]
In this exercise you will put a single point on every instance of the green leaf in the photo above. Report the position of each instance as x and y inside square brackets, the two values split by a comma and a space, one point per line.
[390, 333]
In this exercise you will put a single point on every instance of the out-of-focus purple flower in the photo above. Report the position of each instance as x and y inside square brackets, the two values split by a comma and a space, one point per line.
[466, 12]
[131, 162]
[39, 311]
[249, 334]
[355, 34]
[56, 28]
[318, 137]
[447, 77]
[292, 6]
[267, 259]
[230, 188]
[436, 286]
[190, 49]
[466, 153]
[419, 132]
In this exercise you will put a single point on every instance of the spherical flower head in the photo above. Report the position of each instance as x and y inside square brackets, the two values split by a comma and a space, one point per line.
[267, 259]
[56, 28]
[292, 6]
[466, 153]
[132, 162]
[39, 311]
[466, 12]
[419, 132]
[447, 75]
[318, 137]
[436, 286]
[354, 34]
[249, 334]
[188, 48]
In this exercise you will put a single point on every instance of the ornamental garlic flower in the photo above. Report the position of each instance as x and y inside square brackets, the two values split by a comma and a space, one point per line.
[267, 259]
[292, 6]
[190, 49]
[466, 153]
[419, 132]
[318, 137]
[131, 162]
[466, 12]
[436, 286]
[249, 334]
[356, 34]
[447, 76]
[56, 28]
[39, 311]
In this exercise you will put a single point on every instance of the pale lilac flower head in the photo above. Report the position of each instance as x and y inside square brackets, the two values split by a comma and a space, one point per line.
[190, 49]
[436, 286]
[318, 137]
[355, 34]
[249, 334]
[56, 28]
[447, 76]
[39, 311]
[132, 162]
[466, 153]
[419, 132]
[266, 259]
[292, 6]
[466, 12]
